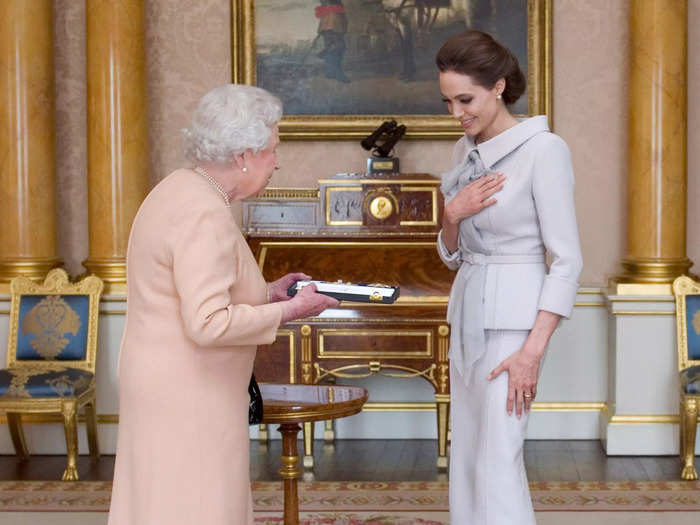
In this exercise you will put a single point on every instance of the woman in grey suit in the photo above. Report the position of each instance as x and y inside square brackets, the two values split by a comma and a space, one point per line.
[508, 202]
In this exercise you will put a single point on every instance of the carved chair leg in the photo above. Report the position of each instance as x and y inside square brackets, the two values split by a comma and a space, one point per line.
[14, 422]
[309, 444]
[69, 409]
[681, 432]
[91, 426]
[689, 424]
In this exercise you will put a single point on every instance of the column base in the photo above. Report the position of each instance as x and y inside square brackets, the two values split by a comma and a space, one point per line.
[649, 276]
[111, 270]
[34, 268]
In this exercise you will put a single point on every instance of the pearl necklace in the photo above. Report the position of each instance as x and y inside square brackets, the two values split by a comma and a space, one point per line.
[211, 180]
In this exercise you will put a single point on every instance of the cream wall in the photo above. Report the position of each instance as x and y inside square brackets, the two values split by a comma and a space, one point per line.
[189, 52]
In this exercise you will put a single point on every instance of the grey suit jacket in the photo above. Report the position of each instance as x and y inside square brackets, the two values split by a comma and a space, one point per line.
[534, 215]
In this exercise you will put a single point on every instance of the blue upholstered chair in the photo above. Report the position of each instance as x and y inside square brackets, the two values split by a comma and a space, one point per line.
[51, 356]
[687, 294]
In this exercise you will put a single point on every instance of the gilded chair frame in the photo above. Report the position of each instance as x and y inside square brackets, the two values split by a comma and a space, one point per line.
[55, 283]
[689, 403]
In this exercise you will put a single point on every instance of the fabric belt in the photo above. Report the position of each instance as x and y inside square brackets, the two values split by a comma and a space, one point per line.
[465, 311]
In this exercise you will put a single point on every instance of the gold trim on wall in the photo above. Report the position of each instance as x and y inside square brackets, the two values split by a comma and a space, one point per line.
[569, 406]
[641, 419]
[46, 419]
[429, 406]
[343, 127]
[643, 312]
[598, 304]
[396, 406]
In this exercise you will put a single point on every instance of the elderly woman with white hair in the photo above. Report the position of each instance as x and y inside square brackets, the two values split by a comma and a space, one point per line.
[197, 308]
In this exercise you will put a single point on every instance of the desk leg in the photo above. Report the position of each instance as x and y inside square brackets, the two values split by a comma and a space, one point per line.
[290, 472]
[443, 412]
[329, 432]
[309, 444]
[262, 434]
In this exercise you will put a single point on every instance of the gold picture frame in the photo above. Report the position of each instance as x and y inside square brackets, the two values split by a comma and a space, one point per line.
[343, 127]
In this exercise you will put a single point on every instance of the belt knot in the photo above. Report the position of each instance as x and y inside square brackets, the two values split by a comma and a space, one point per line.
[476, 258]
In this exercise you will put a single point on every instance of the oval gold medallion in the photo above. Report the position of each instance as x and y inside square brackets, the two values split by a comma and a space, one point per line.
[380, 207]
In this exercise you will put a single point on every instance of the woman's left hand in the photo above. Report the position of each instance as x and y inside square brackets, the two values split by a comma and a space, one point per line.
[278, 288]
[523, 368]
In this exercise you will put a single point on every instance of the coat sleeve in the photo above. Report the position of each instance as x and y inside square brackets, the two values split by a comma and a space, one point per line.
[205, 259]
[553, 192]
[451, 260]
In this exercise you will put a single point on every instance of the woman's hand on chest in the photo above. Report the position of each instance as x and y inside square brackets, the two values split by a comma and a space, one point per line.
[474, 197]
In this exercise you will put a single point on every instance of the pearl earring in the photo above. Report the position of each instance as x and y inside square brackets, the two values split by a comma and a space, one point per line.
[244, 169]
[498, 97]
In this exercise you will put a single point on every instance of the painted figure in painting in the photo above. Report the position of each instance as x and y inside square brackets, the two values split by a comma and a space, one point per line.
[332, 26]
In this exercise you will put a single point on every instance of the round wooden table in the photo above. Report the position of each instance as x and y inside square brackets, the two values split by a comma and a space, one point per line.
[290, 405]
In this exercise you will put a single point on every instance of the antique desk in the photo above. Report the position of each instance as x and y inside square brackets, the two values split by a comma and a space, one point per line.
[362, 229]
[290, 405]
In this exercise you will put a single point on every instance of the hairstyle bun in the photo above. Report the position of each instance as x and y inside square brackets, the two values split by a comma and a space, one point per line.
[480, 56]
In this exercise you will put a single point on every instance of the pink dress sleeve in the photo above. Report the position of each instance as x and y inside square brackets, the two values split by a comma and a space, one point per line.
[207, 268]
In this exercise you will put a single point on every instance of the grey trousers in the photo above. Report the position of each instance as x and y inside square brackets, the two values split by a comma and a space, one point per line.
[488, 485]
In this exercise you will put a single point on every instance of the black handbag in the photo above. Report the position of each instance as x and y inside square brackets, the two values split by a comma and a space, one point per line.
[255, 409]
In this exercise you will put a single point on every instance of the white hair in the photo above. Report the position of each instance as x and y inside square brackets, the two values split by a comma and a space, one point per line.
[229, 120]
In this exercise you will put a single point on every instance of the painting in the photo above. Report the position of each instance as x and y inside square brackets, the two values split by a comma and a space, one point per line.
[341, 67]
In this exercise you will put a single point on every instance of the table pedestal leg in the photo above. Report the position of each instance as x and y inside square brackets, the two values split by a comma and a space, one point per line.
[290, 472]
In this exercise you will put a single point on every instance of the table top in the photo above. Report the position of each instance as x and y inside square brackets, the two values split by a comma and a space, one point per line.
[286, 403]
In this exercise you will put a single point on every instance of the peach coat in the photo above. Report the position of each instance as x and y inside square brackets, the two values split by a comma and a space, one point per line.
[195, 313]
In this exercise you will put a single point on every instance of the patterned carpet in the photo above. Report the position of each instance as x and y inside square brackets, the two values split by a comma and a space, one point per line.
[376, 498]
